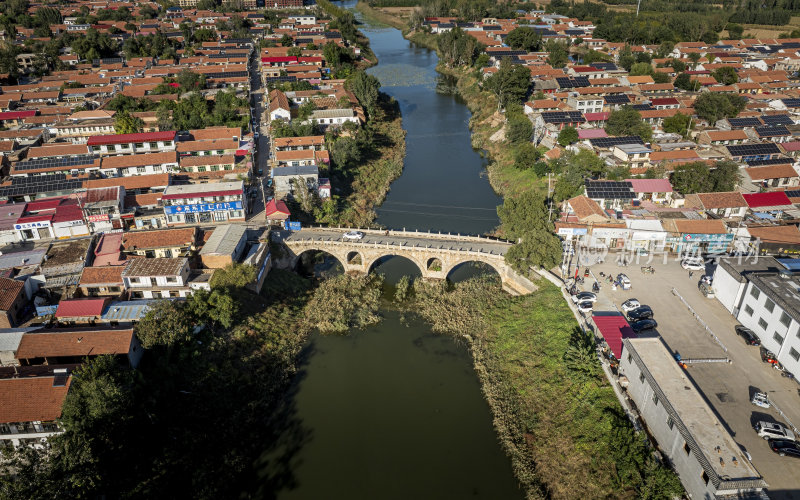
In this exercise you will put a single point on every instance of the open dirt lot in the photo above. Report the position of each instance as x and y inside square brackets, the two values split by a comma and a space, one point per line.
[726, 386]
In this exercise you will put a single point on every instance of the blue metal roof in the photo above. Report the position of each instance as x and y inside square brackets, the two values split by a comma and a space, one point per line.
[127, 310]
[790, 264]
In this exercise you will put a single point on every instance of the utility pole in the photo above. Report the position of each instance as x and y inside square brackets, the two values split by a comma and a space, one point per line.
[639, 3]
[549, 199]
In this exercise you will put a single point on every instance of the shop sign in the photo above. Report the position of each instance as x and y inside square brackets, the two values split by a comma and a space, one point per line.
[203, 207]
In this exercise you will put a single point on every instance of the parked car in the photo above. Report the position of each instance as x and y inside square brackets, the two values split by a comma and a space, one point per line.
[585, 306]
[706, 290]
[584, 297]
[643, 324]
[747, 334]
[784, 447]
[353, 235]
[771, 430]
[643, 312]
[760, 399]
[630, 305]
[693, 264]
[624, 281]
[767, 356]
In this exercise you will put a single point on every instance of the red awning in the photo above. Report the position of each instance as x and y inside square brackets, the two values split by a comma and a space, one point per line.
[613, 328]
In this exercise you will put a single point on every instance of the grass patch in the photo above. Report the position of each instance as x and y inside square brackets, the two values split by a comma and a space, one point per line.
[555, 413]
[380, 17]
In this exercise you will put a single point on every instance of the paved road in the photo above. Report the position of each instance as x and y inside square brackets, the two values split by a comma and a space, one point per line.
[727, 387]
[402, 239]
[261, 147]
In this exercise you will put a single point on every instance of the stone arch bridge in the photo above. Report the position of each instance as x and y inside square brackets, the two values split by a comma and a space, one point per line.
[435, 254]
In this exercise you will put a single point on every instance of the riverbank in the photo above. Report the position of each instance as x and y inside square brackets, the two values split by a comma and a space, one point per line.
[380, 17]
[555, 413]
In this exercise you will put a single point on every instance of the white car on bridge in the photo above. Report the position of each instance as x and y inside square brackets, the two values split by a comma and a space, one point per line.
[353, 235]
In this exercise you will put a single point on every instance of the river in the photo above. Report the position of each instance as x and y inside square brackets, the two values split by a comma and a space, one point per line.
[396, 411]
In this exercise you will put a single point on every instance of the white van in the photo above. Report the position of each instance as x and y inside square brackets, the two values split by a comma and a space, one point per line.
[769, 430]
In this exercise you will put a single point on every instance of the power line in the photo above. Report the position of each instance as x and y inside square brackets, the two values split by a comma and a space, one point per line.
[439, 206]
[436, 214]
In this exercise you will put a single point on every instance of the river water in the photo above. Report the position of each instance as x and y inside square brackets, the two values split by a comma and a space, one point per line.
[396, 411]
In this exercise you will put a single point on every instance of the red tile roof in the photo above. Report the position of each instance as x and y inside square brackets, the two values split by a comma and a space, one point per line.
[31, 399]
[97, 140]
[9, 291]
[16, 115]
[773, 199]
[277, 207]
[80, 308]
[82, 342]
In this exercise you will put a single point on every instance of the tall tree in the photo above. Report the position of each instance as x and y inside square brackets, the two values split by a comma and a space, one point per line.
[628, 121]
[725, 75]
[713, 106]
[557, 55]
[510, 83]
[366, 88]
[524, 38]
[526, 219]
[567, 136]
[125, 123]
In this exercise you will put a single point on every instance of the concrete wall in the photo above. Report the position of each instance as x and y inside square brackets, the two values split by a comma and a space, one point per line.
[727, 289]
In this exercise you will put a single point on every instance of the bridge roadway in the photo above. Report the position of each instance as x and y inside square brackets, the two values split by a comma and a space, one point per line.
[435, 254]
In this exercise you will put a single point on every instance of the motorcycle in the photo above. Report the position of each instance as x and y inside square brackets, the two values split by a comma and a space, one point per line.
[648, 270]
[595, 287]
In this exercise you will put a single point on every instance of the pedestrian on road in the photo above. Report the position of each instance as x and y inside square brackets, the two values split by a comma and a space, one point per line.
[691, 273]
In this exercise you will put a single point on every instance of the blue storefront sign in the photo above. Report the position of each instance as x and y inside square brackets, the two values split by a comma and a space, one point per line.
[703, 237]
[292, 226]
[203, 207]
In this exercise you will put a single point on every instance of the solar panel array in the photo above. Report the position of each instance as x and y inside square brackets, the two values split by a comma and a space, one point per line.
[21, 186]
[281, 79]
[44, 163]
[617, 99]
[754, 149]
[791, 103]
[643, 107]
[777, 120]
[744, 122]
[507, 53]
[226, 74]
[332, 34]
[610, 142]
[794, 193]
[771, 161]
[570, 83]
[223, 55]
[767, 131]
[617, 190]
[608, 66]
[563, 117]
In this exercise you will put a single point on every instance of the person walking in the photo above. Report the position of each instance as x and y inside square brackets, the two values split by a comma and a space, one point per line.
[691, 273]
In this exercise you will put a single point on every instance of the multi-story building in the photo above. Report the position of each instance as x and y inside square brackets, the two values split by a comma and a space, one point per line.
[37, 419]
[203, 203]
[762, 295]
[145, 142]
[157, 278]
[708, 461]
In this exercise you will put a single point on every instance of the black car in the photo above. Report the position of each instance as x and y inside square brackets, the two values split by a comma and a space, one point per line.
[643, 324]
[785, 447]
[748, 335]
[642, 312]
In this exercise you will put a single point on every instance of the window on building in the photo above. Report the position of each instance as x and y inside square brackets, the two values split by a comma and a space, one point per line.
[778, 338]
[214, 168]
[769, 305]
[630, 358]
[141, 170]
[686, 448]
[748, 310]
[786, 320]
[641, 377]
[794, 354]
[220, 216]
[755, 292]
[670, 423]
[139, 145]
[189, 218]
[201, 168]
[762, 323]
[704, 476]
[655, 399]
[153, 145]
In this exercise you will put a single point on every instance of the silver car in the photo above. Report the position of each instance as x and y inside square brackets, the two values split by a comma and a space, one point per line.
[353, 235]
[769, 430]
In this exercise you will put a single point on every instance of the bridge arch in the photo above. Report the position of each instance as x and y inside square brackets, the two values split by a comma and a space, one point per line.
[355, 258]
[308, 261]
[420, 267]
[452, 272]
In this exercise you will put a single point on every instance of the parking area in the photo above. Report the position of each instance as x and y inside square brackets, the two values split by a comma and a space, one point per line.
[727, 386]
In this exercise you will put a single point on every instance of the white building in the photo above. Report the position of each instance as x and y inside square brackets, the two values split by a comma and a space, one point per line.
[334, 117]
[145, 142]
[708, 461]
[157, 278]
[202, 203]
[763, 296]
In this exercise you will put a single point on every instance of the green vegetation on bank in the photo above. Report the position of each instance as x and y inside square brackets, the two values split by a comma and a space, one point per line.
[191, 421]
[380, 17]
[556, 414]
